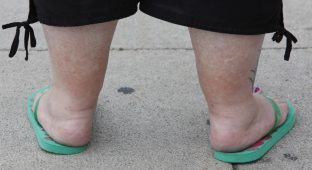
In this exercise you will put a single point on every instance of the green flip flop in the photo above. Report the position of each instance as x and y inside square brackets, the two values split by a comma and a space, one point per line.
[260, 148]
[44, 140]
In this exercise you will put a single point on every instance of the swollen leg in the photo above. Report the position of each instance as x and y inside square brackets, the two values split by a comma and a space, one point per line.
[79, 57]
[227, 66]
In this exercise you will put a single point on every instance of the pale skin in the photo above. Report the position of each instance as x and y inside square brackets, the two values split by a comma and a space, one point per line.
[226, 66]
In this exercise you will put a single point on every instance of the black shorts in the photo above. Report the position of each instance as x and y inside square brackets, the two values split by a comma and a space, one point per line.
[227, 16]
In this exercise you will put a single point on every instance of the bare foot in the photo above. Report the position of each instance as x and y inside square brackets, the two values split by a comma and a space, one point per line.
[239, 136]
[63, 126]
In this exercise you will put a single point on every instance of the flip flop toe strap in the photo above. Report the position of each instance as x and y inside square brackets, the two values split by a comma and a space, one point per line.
[277, 110]
[37, 102]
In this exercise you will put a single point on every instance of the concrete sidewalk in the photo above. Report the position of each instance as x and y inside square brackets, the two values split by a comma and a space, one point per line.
[151, 112]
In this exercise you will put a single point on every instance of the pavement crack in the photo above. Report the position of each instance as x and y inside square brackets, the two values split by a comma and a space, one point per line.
[151, 49]
[6, 49]
[163, 49]
[281, 48]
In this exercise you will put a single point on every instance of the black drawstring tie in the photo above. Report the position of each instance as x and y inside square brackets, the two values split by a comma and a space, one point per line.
[29, 33]
[278, 36]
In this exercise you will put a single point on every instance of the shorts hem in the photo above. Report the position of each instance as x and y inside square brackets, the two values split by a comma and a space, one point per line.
[87, 19]
[192, 22]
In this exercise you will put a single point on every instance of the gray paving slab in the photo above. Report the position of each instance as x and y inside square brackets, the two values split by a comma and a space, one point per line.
[297, 14]
[143, 31]
[161, 125]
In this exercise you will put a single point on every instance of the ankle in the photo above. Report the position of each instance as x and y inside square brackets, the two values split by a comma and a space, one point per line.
[73, 128]
[62, 106]
[230, 124]
[235, 116]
